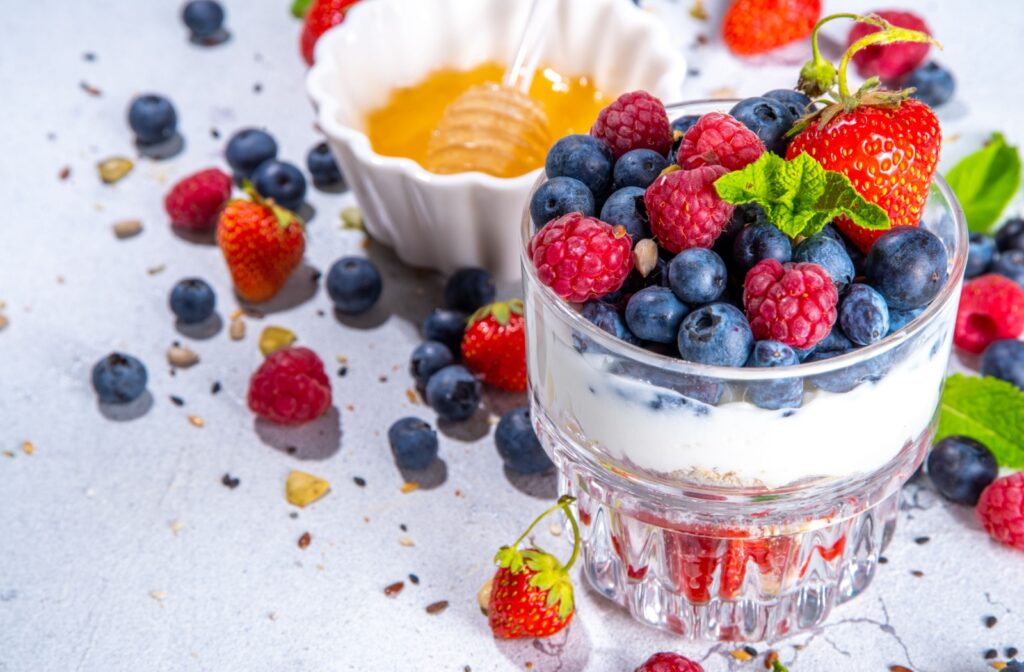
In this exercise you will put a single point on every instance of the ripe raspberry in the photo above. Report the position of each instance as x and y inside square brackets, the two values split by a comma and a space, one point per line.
[290, 387]
[581, 257]
[1001, 510]
[635, 120]
[195, 202]
[794, 303]
[890, 61]
[991, 309]
[753, 27]
[717, 139]
[685, 210]
[669, 662]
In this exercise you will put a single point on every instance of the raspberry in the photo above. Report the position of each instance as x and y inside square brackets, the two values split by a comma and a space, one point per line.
[794, 303]
[669, 662]
[1001, 510]
[890, 61]
[195, 202]
[635, 120]
[719, 140]
[581, 257]
[991, 309]
[685, 210]
[290, 387]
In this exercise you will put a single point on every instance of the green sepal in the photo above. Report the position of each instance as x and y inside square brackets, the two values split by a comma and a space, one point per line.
[779, 667]
[300, 7]
[501, 311]
[511, 558]
[550, 576]
[284, 216]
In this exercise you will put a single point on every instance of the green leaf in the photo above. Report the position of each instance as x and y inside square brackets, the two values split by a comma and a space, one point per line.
[299, 8]
[779, 667]
[799, 196]
[988, 410]
[984, 182]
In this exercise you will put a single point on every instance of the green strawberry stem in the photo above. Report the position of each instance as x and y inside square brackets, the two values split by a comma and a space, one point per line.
[284, 216]
[563, 503]
[818, 74]
[887, 35]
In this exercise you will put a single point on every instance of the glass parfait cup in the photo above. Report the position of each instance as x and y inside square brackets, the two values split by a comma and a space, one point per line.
[711, 517]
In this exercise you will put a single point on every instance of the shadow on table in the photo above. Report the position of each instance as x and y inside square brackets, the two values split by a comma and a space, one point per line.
[541, 486]
[565, 651]
[127, 412]
[300, 288]
[160, 151]
[427, 479]
[316, 440]
[201, 331]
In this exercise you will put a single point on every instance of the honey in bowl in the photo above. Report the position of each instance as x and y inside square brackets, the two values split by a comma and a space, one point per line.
[403, 126]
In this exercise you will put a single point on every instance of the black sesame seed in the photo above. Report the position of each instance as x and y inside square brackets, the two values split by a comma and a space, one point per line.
[360, 481]
[990, 654]
[230, 481]
[215, 388]
[750, 650]
[882, 560]
[342, 371]
[1011, 652]
[177, 401]
[922, 540]
[414, 579]
[403, 527]
[990, 621]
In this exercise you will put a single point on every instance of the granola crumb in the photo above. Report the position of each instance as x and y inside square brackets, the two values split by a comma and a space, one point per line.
[437, 607]
[408, 487]
[394, 589]
[406, 541]
[196, 421]
[28, 447]
[305, 540]
[126, 228]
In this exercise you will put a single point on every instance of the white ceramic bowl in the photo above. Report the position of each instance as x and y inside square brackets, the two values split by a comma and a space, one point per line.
[470, 219]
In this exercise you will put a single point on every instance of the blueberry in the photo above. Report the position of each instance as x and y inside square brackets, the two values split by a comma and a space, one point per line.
[203, 17]
[625, 207]
[413, 443]
[192, 300]
[835, 343]
[775, 394]
[769, 118]
[716, 334]
[119, 378]
[654, 314]
[152, 119]
[559, 196]
[1010, 264]
[453, 393]
[908, 267]
[1010, 235]
[583, 158]
[608, 319]
[446, 326]
[980, 252]
[1004, 360]
[934, 84]
[863, 315]
[518, 444]
[827, 251]
[322, 166]
[428, 358]
[638, 168]
[248, 148]
[961, 468]
[697, 276]
[354, 285]
[684, 123]
[757, 243]
[901, 318]
[743, 216]
[796, 102]
[280, 181]
[468, 289]
[847, 378]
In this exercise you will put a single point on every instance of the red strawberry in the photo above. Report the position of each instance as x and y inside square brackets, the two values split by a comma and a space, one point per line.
[195, 202]
[494, 345]
[322, 16]
[262, 244]
[891, 61]
[756, 26]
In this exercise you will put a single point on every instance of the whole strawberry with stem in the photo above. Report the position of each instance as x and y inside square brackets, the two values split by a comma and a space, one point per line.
[494, 345]
[531, 594]
[262, 244]
[886, 143]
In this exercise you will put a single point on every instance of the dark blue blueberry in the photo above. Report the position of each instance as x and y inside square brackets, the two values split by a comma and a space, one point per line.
[863, 315]
[757, 243]
[836, 342]
[796, 102]
[827, 251]
[152, 119]
[775, 394]
[695, 388]
[428, 358]
[1010, 235]
[697, 276]
[901, 318]
[830, 231]
[1004, 360]
[684, 123]
[858, 258]
[1011, 265]
[192, 300]
[119, 378]
[961, 468]
[654, 314]
[934, 84]
[1014, 665]
[908, 266]
[413, 443]
[354, 285]
[769, 118]
[248, 148]
[847, 378]
[716, 334]
[980, 252]
[608, 319]
[282, 182]
[638, 168]
[453, 392]
[446, 326]
[583, 158]
[743, 216]
[625, 207]
[559, 196]
[518, 445]
[322, 166]
[468, 289]
[203, 17]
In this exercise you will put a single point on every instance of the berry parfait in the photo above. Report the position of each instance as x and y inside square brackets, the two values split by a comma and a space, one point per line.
[737, 342]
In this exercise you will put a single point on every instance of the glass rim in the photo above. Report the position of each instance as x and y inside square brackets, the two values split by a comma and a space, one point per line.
[684, 367]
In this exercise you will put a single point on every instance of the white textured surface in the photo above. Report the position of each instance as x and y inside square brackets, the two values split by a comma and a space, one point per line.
[86, 522]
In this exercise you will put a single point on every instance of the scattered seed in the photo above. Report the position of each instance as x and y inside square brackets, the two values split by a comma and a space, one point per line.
[177, 526]
[1011, 652]
[29, 448]
[158, 595]
[257, 88]
[341, 359]
[156, 270]
[555, 529]
[302, 489]
[274, 338]
[342, 371]
[406, 541]
[483, 596]
[882, 560]
[645, 256]
[899, 668]
[8, 453]
[180, 356]
[127, 228]
[990, 621]
[177, 401]
[64, 173]
[230, 481]
[403, 527]
[215, 134]
[409, 486]
[724, 92]
[215, 388]
[770, 658]
[394, 589]
[437, 607]
[382, 379]
[273, 616]
[991, 654]
[917, 572]
[697, 11]
[236, 330]
[89, 56]
[197, 421]
[415, 580]
[751, 650]
[920, 541]
[352, 218]
[360, 481]
[741, 655]
[236, 313]
[4, 321]
[113, 169]
[94, 91]
[702, 40]
[304, 540]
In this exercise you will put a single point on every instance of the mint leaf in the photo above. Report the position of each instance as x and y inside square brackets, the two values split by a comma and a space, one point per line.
[985, 181]
[299, 8]
[778, 667]
[988, 410]
[799, 196]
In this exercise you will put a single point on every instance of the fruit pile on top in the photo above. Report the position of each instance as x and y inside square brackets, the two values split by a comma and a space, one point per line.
[786, 230]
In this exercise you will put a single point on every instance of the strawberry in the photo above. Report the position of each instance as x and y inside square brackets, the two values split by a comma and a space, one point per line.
[262, 244]
[756, 26]
[321, 16]
[494, 345]
[531, 594]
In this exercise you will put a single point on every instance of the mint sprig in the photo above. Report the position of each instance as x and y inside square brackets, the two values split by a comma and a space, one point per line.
[799, 196]
[988, 410]
[984, 182]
